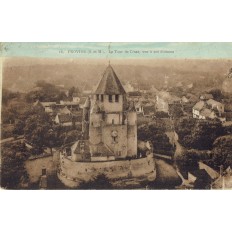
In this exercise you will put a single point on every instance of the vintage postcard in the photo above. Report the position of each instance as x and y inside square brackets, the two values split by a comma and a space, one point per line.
[116, 115]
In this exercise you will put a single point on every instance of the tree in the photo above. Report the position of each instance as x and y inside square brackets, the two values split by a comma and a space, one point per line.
[217, 94]
[12, 167]
[72, 136]
[99, 182]
[38, 130]
[7, 95]
[188, 161]
[46, 92]
[222, 151]
[161, 114]
[72, 91]
[155, 134]
[198, 134]
[175, 110]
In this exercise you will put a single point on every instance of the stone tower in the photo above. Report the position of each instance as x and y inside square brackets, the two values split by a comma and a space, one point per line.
[85, 119]
[112, 122]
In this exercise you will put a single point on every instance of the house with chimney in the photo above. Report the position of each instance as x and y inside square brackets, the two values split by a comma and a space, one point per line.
[207, 108]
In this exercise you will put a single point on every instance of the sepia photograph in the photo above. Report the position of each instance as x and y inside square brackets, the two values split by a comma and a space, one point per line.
[94, 116]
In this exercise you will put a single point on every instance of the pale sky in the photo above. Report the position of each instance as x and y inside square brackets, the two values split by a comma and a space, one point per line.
[119, 50]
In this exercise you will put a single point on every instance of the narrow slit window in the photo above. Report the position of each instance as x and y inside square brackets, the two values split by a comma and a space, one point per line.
[102, 98]
[110, 98]
[44, 171]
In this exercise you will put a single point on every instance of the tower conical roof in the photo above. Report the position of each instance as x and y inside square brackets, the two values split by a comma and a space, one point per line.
[109, 83]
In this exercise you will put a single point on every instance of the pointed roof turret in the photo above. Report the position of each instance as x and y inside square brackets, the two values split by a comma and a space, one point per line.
[95, 108]
[87, 103]
[109, 83]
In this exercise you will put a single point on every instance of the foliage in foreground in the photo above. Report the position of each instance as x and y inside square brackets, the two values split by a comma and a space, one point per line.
[12, 167]
[99, 182]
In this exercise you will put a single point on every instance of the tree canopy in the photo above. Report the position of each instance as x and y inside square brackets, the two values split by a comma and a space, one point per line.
[155, 134]
[38, 130]
[222, 151]
[45, 92]
[198, 134]
[12, 166]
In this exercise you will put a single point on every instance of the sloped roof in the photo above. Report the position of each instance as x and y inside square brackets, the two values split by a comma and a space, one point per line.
[109, 83]
[199, 105]
[200, 174]
[191, 97]
[212, 173]
[206, 96]
[65, 110]
[37, 103]
[206, 112]
[82, 100]
[81, 146]
[48, 103]
[65, 118]
[100, 150]
[213, 102]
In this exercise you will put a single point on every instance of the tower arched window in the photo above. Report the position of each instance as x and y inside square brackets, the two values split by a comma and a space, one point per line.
[116, 98]
[110, 98]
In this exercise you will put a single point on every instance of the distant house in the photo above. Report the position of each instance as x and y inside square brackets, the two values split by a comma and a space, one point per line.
[65, 110]
[200, 179]
[206, 96]
[191, 97]
[224, 181]
[163, 99]
[67, 117]
[201, 111]
[38, 105]
[63, 119]
[184, 99]
[75, 98]
[139, 107]
[209, 109]
[48, 106]
[216, 105]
